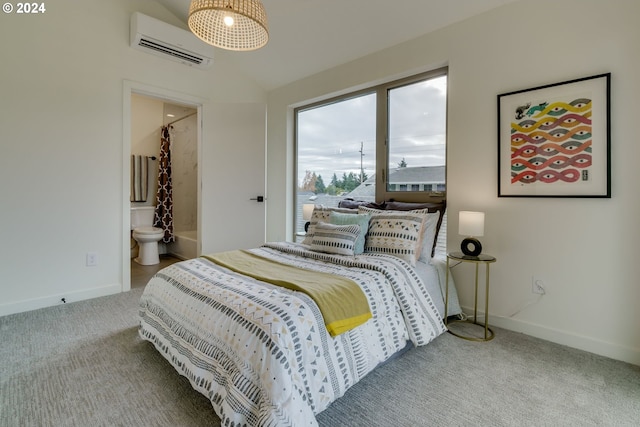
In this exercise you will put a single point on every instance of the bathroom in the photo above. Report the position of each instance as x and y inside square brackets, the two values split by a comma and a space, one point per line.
[148, 116]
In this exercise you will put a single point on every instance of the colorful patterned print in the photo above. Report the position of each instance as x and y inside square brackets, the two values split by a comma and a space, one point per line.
[551, 142]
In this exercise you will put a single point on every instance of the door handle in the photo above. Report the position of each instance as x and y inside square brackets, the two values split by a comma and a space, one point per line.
[258, 199]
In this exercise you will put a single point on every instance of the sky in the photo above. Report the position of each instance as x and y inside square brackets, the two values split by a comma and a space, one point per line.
[330, 137]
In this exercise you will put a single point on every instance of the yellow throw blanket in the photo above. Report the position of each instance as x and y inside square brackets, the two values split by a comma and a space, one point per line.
[341, 301]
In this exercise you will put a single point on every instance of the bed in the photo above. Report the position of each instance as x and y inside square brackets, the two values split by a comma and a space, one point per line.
[268, 349]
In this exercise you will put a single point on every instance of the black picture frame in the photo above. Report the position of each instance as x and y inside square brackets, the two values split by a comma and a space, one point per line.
[555, 140]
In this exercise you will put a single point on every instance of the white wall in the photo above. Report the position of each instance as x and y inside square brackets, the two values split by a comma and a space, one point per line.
[585, 249]
[61, 168]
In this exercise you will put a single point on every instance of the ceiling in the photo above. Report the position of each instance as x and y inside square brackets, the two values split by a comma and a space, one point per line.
[309, 36]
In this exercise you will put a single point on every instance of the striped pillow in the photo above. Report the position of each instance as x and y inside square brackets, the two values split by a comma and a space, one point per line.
[322, 213]
[335, 239]
[395, 233]
[362, 220]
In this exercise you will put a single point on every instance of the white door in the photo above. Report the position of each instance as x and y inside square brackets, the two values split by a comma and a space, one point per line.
[233, 177]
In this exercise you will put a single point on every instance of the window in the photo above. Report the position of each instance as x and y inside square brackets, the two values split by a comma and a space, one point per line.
[387, 141]
[416, 134]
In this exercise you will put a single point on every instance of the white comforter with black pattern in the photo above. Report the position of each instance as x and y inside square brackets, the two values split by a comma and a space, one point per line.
[261, 353]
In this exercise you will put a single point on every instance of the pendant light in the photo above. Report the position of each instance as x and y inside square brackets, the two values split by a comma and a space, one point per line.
[229, 24]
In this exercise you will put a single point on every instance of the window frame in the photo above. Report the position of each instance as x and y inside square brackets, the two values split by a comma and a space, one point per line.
[382, 140]
[382, 135]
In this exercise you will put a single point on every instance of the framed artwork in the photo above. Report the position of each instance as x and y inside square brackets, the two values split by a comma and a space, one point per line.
[554, 140]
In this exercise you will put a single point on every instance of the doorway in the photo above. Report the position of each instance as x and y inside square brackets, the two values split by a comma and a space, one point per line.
[182, 122]
[158, 107]
[148, 117]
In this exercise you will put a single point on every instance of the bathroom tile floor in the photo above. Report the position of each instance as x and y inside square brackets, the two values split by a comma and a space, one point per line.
[140, 274]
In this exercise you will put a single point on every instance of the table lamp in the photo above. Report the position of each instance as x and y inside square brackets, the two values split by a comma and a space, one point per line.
[471, 224]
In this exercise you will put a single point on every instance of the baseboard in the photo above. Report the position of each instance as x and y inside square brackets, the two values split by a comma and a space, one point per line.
[53, 300]
[592, 345]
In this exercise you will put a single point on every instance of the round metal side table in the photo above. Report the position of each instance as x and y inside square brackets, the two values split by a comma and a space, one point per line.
[485, 259]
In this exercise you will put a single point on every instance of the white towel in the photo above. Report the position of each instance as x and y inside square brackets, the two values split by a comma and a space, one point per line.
[139, 179]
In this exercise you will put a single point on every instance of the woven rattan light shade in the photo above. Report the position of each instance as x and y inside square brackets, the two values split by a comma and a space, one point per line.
[248, 32]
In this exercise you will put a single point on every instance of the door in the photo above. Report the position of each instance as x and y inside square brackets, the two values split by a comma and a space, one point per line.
[233, 177]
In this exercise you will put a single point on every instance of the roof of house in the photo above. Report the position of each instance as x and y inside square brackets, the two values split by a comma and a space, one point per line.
[417, 175]
[407, 175]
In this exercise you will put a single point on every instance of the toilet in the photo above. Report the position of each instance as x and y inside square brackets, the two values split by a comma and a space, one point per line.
[145, 234]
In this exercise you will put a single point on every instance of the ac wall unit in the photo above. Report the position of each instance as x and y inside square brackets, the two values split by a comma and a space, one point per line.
[159, 38]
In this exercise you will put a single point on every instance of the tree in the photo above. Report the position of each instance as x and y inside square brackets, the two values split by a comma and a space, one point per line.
[331, 190]
[402, 164]
[345, 181]
[351, 181]
[309, 181]
[320, 187]
[334, 180]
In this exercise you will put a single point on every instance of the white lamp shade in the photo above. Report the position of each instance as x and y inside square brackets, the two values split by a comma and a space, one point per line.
[471, 223]
[307, 210]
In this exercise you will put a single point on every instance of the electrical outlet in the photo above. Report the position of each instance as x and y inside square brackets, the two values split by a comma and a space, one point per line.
[92, 259]
[537, 285]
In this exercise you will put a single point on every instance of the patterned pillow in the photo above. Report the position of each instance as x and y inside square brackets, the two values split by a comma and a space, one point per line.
[395, 233]
[335, 239]
[431, 207]
[362, 220]
[322, 213]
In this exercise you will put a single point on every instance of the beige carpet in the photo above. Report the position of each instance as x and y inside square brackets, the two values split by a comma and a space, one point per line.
[83, 364]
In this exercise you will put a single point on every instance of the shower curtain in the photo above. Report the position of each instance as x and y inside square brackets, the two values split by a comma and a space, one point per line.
[164, 198]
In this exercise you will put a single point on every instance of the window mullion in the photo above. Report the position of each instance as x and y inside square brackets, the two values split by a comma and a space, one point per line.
[382, 142]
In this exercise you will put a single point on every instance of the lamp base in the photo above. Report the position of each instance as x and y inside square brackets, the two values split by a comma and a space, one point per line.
[306, 226]
[471, 246]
